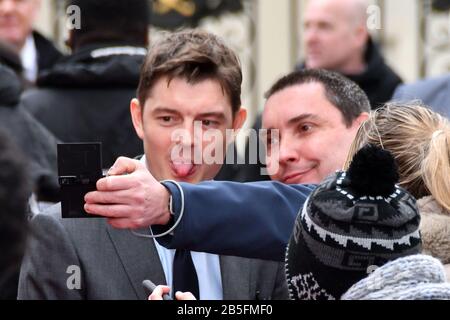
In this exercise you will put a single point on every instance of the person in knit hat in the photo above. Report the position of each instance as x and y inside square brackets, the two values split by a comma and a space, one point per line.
[419, 140]
[352, 223]
[417, 277]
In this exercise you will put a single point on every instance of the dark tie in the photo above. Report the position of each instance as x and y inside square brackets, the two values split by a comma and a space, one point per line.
[184, 274]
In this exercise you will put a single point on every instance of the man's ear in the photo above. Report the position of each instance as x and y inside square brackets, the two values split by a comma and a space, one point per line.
[136, 116]
[362, 35]
[359, 120]
[239, 118]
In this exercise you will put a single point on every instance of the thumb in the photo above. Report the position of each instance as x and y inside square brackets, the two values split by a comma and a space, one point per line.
[184, 296]
[124, 165]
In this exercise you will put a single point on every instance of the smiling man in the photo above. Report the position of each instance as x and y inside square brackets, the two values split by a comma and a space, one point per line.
[317, 114]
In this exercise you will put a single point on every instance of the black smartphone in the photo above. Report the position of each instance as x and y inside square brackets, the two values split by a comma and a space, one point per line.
[150, 286]
[79, 168]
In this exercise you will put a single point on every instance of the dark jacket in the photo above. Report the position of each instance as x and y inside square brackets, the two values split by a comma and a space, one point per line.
[47, 54]
[37, 143]
[10, 58]
[378, 80]
[251, 220]
[86, 97]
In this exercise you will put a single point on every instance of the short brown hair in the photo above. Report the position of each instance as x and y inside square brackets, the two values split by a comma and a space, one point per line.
[195, 56]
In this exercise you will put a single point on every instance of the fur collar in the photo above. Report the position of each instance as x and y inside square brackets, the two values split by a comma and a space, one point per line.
[435, 229]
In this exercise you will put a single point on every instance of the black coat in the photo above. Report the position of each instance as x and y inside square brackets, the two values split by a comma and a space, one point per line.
[47, 54]
[38, 146]
[86, 97]
[36, 142]
[378, 81]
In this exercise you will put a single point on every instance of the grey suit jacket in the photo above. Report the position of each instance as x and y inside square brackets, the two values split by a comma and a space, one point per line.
[113, 263]
[434, 92]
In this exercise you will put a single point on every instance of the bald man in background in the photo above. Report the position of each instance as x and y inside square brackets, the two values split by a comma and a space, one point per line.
[16, 28]
[336, 38]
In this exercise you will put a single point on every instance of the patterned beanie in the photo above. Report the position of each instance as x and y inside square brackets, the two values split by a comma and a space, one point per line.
[352, 223]
[417, 277]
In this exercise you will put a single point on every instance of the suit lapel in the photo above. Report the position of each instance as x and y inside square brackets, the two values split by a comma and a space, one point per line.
[139, 258]
[235, 278]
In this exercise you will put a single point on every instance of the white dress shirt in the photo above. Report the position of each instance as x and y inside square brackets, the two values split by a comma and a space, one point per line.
[29, 58]
[206, 265]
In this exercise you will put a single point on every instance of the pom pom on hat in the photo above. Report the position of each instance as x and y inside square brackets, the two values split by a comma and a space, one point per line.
[373, 172]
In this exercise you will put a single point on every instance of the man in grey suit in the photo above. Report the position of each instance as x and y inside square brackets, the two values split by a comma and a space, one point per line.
[190, 85]
[434, 92]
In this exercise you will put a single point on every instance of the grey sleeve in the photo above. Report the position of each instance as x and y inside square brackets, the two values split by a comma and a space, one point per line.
[399, 93]
[50, 268]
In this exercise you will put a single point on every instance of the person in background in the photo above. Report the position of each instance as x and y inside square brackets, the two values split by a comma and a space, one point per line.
[15, 188]
[33, 139]
[36, 52]
[85, 96]
[337, 38]
[10, 58]
[432, 92]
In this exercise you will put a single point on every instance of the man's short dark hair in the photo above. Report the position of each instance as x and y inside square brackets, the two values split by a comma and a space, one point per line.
[112, 21]
[195, 56]
[343, 93]
[14, 192]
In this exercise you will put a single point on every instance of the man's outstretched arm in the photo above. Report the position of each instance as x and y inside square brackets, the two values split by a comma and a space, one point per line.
[251, 220]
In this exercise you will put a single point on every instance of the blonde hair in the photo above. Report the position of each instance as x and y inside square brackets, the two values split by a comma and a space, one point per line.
[419, 140]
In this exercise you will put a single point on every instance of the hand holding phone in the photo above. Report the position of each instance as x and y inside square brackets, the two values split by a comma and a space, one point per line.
[79, 168]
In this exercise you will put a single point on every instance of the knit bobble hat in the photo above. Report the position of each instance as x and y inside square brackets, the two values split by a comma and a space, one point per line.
[352, 223]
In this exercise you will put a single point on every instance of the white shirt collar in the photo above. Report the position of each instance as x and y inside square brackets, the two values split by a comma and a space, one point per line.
[29, 58]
